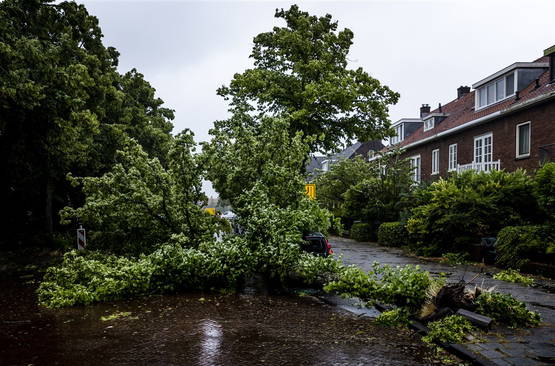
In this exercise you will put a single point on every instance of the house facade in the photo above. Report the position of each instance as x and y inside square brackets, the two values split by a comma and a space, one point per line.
[319, 164]
[506, 121]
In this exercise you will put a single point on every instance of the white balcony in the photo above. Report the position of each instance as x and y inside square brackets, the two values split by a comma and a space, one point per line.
[480, 167]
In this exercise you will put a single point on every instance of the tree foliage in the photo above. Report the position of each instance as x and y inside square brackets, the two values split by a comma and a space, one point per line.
[258, 169]
[242, 155]
[300, 71]
[342, 175]
[63, 108]
[140, 203]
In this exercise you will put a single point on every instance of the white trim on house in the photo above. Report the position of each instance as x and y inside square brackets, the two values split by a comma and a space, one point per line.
[516, 65]
[452, 158]
[478, 121]
[435, 161]
[517, 143]
[429, 123]
[483, 148]
[399, 134]
[493, 83]
[416, 165]
[406, 120]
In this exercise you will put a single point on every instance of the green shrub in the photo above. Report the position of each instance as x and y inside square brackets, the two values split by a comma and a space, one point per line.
[361, 231]
[393, 318]
[506, 309]
[514, 276]
[450, 329]
[392, 234]
[517, 245]
[544, 188]
[402, 286]
[458, 211]
[377, 194]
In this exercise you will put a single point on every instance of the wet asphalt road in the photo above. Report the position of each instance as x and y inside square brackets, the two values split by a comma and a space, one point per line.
[196, 329]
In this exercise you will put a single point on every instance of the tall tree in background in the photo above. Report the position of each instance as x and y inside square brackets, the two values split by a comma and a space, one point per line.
[301, 71]
[63, 108]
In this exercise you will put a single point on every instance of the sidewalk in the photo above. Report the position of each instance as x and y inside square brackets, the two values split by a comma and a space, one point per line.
[501, 346]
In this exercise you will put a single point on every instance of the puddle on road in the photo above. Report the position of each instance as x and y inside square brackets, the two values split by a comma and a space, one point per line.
[197, 329]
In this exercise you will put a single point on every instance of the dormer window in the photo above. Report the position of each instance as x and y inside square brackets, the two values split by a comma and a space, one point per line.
[496, 91]
[399, 134]
[429, 123]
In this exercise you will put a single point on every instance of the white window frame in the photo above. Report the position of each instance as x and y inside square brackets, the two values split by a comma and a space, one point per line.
[518, 139]
[452, 157]
[435, 161]
[483, 155]
[493, 83]
[416, 165]
[398, 136]
[429, 123]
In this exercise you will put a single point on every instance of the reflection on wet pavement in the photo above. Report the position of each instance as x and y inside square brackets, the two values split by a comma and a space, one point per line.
[210, 343]
[196, 329]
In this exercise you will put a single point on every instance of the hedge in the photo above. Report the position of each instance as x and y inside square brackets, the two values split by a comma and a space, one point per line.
[392, 234]
[361, 231]
[517, 245]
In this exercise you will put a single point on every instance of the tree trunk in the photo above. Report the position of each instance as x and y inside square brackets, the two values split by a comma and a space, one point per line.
[48, 216]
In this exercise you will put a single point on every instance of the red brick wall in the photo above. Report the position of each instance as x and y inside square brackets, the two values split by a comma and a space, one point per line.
[542, 118]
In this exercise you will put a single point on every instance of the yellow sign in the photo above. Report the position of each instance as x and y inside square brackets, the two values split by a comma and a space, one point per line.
[210, 210]
[310, 190]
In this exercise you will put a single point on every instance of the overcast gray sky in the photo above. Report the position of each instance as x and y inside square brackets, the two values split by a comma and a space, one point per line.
[423, 49]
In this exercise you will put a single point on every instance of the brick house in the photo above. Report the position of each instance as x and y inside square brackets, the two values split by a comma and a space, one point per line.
[507, 121]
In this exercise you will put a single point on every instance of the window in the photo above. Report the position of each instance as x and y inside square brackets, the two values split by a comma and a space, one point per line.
[435, 161]
[495, 91]
[398, 134]
[483, 151]
[523, 140]
[325, 165]
[452, 157]
[510, 79]
[415, 165]
[429, 124]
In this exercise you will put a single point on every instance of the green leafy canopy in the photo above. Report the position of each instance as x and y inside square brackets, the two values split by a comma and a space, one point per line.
[300, 71]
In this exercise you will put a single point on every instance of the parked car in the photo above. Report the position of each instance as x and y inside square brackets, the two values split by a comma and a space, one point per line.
[317, 244]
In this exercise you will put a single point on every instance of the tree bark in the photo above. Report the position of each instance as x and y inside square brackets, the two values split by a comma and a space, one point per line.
[48, 216]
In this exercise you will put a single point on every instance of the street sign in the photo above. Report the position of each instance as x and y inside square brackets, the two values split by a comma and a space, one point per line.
[310, 190]
[210, 210]
[81, 238]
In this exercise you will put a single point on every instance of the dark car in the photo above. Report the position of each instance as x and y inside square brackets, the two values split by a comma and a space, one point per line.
[317, 244]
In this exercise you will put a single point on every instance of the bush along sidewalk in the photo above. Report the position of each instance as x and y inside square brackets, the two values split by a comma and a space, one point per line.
[392, 234]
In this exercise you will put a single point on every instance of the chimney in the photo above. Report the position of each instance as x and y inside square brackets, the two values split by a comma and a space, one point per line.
[551, 53]
[424, 110]
[462, 90]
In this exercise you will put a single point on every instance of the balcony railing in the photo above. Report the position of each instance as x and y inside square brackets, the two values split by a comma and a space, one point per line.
[480, 167]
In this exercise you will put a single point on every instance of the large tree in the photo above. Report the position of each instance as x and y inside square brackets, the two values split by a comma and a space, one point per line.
[63, 108]
[300, 70]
